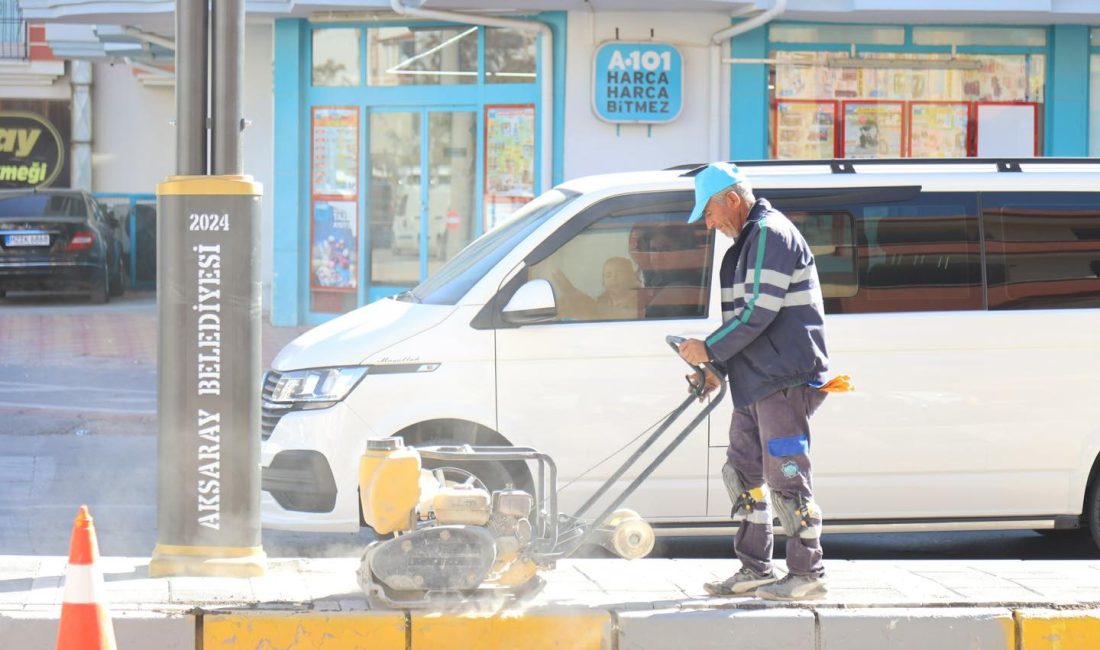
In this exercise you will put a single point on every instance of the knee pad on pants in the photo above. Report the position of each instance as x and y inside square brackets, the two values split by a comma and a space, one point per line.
[749, 503]
[800, 517]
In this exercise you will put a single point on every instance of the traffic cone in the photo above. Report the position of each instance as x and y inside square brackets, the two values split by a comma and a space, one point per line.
[85, 622]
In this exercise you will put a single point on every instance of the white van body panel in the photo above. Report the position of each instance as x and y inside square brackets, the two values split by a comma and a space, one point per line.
[385, 404]
[327, 432]
[349, 339]
[956, 415]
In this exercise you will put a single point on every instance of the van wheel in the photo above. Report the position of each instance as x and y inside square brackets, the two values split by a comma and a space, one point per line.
[1091, 511]
[490, 475]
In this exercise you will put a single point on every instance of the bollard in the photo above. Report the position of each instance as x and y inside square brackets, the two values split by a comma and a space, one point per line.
[208, 378]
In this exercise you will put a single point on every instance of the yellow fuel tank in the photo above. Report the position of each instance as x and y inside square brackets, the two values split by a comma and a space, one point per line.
[389, 484]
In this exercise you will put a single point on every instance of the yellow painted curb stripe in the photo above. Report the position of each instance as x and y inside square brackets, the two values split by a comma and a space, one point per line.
[537, 630]
[209, 186]
[315, 631]
[1050, 630]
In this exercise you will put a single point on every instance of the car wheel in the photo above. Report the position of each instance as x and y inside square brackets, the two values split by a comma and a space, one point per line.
[1092, 510]
[100, 291]
[120, 281]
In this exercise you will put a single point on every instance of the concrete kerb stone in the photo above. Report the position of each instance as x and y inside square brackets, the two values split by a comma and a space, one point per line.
[915, 628]
[744, 629]
[134, 628]
[1048, 629]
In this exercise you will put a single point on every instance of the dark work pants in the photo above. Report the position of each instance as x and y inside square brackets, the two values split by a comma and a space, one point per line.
[769, 444]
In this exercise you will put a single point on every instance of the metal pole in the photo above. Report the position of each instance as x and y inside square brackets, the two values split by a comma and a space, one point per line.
[192, 17]
[227, 73]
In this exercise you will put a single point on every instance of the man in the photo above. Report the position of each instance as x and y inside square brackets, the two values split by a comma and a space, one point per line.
[771, 346]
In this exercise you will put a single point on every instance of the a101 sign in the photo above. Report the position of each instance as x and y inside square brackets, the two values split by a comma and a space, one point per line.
[637, 82]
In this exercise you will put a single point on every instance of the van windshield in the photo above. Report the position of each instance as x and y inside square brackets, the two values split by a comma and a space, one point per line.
[457, 276]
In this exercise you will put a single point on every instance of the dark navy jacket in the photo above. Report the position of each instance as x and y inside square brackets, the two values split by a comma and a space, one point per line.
[773, 331]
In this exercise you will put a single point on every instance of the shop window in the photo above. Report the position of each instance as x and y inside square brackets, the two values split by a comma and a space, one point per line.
[859, 34]
[901, 104]
[395, 198]
[336, 57]
[921, 255]
[509, 56]
[408, 56]
[1019, 36]
[639, 262]
[1042, 252]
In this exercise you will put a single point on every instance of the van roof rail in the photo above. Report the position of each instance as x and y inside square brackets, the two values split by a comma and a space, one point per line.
[851, 165]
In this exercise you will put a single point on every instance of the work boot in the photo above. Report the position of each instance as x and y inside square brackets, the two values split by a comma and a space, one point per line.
[793, 587]
[742, 583]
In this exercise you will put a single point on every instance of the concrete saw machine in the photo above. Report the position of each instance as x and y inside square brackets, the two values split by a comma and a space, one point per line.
[456, 541]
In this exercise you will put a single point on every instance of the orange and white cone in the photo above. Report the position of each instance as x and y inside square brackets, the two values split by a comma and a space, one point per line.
[85, 622]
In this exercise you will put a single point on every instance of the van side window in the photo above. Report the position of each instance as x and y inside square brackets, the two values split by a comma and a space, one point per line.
[919, 255]
[1042, 250]
[639, 261]
[830, 235]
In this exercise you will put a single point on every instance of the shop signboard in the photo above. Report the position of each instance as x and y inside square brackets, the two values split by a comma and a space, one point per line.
[637, 82]
[509, 160]
[32, 151]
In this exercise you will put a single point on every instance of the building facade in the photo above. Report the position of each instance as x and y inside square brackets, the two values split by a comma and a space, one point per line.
[388, 141]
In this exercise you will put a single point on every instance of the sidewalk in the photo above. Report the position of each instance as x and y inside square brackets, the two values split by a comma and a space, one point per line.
[586, 603]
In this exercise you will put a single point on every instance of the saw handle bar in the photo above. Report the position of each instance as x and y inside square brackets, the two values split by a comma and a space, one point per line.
[698, 388]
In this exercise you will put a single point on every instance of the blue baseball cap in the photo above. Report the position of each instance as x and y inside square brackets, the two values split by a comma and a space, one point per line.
[714, 178]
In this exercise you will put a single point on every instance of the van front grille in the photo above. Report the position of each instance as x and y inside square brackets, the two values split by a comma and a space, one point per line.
[271, 412]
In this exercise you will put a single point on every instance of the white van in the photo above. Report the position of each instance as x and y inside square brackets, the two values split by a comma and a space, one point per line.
[963, 297]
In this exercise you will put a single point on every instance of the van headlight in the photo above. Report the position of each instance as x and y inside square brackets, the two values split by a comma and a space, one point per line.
[317, 387]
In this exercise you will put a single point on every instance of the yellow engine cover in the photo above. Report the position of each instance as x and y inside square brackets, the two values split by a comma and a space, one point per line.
[389, 485]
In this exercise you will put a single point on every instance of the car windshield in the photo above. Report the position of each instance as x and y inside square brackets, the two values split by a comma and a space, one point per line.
[457, 276]
[42, 205]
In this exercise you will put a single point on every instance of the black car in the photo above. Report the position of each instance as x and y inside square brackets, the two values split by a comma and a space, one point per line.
[59, 240]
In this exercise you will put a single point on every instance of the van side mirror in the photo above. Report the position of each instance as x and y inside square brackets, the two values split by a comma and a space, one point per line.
[532, 303]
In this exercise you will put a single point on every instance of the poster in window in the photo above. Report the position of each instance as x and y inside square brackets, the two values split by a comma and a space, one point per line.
[509, 160]
[805, 130]
[938, 130]
[333, 255]
[335, 149]
[873, 129]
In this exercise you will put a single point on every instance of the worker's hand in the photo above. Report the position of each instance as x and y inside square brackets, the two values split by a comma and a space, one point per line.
[712, 382]
[694, 352]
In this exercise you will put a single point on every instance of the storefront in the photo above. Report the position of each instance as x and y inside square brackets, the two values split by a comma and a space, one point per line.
[389, 143]
[863, 91]
[413, 139]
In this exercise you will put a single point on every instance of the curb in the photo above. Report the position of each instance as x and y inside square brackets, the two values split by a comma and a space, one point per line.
[746, 628]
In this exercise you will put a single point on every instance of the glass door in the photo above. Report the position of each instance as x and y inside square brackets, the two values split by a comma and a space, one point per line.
[423, 189]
